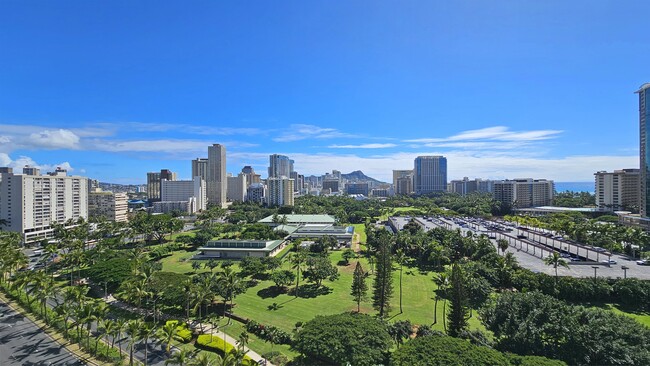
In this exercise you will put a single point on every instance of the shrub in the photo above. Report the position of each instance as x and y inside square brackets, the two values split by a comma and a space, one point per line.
[216, 344]
[445, 350]
[182, 331]
[268, 332]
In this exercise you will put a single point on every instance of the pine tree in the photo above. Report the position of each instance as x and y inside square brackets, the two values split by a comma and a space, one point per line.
[383, 285]
[459, 308]
[359, 286]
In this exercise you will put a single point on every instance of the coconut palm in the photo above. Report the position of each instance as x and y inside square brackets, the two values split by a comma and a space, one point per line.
[400, 258]
[133, 330]
[555, 260]
[180, 358]
[230, 285]
[167, 333]
[442, 282]
[146, 331]
[298, 260]
[204, 360]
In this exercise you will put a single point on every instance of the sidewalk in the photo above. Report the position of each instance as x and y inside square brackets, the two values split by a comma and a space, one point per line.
[250, 353]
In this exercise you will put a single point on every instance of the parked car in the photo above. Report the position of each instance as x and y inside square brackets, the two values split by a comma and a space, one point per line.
[642, 262]
[608, 261]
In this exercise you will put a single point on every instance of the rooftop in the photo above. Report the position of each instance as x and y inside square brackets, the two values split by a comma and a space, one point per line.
[301, 219]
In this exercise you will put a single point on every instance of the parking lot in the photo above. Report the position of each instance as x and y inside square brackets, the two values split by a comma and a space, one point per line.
[531, 245]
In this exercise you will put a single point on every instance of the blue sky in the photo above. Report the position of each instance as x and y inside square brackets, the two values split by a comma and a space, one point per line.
[504, 89]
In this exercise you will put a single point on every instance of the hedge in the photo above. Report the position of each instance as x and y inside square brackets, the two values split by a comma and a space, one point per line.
[216, 345]
[182, 331]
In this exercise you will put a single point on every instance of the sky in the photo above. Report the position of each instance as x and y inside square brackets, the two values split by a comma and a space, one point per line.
[503, 89]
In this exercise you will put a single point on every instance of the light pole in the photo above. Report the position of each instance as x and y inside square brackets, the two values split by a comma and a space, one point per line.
[625, 268]
[595, 270]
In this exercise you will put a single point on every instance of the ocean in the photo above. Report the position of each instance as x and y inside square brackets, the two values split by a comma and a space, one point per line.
[575, 187]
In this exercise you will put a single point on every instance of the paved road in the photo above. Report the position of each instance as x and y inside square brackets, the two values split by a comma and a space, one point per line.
[24, 343]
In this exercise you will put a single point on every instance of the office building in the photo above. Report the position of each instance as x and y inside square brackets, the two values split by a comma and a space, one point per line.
[256, 192]
[30, 204]
[401, 174]
[379, 192]
[430, 174]
[236, 191]
[30, 170]
[200, 168]
[280, 191]
[403, 182]
[357, 188]
[644, 151]
[108, 205]
[217, 181]
[251, 176]
[618, 190]
[280, 166]
[524, 193]
[185, 191]
[153, 183]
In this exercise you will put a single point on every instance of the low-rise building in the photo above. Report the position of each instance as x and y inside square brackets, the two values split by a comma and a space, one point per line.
[238, 249]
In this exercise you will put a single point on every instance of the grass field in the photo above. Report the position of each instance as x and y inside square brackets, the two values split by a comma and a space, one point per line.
[642, 318]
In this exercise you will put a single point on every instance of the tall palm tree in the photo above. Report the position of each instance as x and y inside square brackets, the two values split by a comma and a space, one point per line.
[180, 358]
[298, 260]
[167, 333]
[442, 282]
[555, 260]
[104, 329]
[230, 284]
[133, 330]
[120, 326]
[146, 331]
[204, 360]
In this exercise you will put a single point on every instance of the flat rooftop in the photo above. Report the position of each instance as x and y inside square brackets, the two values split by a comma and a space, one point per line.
[301, 219]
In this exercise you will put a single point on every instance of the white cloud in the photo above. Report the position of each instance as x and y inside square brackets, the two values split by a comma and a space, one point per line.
[298, 132]
[54, 139]
[496, 133]
[362, 146]
[21, 161]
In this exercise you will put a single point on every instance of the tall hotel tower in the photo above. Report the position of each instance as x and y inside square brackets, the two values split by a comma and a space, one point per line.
[216, 182]
[644, 119]
[430, 174]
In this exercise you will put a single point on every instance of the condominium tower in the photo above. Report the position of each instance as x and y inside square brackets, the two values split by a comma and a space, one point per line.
[524, 192]
[644, 119]
[30, 204]
[280, 191]
[618, 190]
[217, 182]
[430, 174]
[280, 166]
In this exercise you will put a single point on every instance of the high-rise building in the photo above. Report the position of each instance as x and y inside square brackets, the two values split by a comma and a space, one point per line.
[256, 192]
[357, 188]
[185, 191]
[644, 151]
[280, 191]
[30, 170]
[331, 184]
[251, 176]
[618, 190]
[237, 188]
[280, 166]
[430, 174]
[217, 175]
[525, 192]
[30, 204]
[402, 174]
[200, 168]
[467, 186]
[153, 183]
[108, 205]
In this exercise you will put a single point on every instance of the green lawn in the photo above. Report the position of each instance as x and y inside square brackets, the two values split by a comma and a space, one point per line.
[361, 230]
[180, 262]
[642, 318]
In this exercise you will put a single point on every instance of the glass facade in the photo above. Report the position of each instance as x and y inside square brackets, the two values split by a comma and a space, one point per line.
[430, 174]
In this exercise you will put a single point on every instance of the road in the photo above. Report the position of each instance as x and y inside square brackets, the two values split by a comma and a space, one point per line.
[23, 343]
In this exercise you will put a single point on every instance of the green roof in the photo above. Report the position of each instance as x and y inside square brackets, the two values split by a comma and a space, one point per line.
[250, 245]
[301, 219]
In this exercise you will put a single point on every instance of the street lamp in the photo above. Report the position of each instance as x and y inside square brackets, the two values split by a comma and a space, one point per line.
[625, 268]
[595, 270]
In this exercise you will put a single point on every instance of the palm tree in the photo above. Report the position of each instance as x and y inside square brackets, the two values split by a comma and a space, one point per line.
[179, 358]
[230, 284]
[555, 260]
[442, 282]
[167, 333]
[297, 262]
[203, 360]
[146, 331]
[104, 329]
[400, 258]
[120, 326]
[133, 330]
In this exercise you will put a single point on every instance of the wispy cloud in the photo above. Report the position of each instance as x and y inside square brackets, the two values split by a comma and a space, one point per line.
[497, 133]
[362, 146]
[21, 161]
[297, 132]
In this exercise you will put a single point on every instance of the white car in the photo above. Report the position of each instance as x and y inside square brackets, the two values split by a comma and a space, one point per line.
[642, 262]
[608, 261]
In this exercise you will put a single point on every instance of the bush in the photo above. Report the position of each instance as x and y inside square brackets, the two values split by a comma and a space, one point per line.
[445, 350]
[517, 360]
[268, 332]
[215, 343]
[276, 358]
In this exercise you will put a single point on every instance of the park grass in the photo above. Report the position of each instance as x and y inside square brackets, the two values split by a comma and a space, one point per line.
[180, 262]
[396, 210]
[361, 230]
[643, 318]
[256, 303]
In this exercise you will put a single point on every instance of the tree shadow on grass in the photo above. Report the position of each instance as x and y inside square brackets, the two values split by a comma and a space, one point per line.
[271, 291]
[311, 291]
